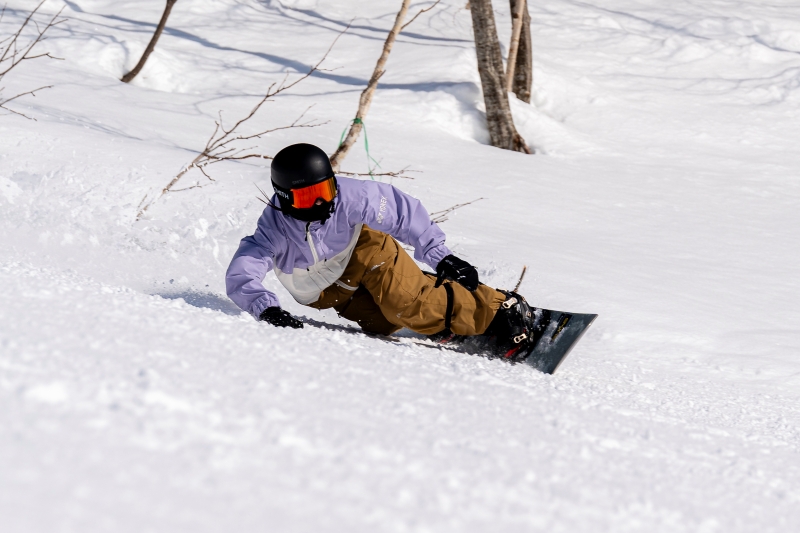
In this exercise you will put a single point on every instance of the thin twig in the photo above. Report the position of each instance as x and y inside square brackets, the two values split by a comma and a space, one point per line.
[32, 93]
[524, 269]
[222, 144]
[265, 200]
[248, 156]
[198, 186]
[393, 174]
[12, 53]
[16, 56]
[140, 203]
[441, 216]
[421, 11]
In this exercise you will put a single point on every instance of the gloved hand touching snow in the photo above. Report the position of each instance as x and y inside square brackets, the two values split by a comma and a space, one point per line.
[458, 270]
[278, 317]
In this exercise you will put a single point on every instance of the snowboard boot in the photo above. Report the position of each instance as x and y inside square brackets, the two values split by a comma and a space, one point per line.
[515, 328]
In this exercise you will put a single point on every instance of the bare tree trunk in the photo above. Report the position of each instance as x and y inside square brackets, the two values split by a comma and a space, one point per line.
[502, 132]
[151, 45]
[523, 69]
[516, 29]
[367, 94]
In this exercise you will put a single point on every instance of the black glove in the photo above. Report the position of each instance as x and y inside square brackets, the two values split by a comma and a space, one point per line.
[278, 317]
[451, 267]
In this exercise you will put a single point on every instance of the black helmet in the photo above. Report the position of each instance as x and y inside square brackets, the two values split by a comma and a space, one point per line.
[299, 166]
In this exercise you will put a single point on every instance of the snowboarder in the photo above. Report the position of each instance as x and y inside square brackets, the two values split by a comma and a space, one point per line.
[333, 242]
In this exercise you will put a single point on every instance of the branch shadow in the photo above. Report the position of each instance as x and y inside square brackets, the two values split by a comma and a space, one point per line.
[342, 24]
[658, 24]
[284, 62]
[74, 6]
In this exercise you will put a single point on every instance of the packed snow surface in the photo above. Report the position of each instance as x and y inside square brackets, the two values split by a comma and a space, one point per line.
[134, 396]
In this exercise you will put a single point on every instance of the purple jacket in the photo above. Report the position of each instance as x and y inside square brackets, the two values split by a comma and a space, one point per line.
[281, 241]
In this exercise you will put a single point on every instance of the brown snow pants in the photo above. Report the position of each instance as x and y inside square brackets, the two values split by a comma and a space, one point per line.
[391, 292]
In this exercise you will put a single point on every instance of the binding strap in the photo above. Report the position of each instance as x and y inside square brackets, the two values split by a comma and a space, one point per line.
[448, 316]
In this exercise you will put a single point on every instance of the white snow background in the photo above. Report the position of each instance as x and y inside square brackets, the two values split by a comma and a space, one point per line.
[135, 397]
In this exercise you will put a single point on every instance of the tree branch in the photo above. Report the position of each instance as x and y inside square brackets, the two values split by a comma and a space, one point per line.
[365, 100]
[394, 174]
[514, 46]
[521, 276]
[441, 216]
[127, 78]
[12, 53]
[420, 12]
[221, 145]
[32, 93]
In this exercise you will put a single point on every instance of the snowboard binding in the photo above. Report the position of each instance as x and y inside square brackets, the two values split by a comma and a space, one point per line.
[516, 328]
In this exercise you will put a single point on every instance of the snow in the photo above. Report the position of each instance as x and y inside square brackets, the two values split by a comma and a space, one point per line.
[134, 396]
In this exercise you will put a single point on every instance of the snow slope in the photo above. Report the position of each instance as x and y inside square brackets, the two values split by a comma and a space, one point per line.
[135, 397]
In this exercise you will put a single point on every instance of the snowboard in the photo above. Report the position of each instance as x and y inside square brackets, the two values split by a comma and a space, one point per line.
[555, 335]
[561, 333]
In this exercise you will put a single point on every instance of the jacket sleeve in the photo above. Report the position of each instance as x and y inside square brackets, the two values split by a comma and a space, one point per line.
[390, 210]
[252, 261]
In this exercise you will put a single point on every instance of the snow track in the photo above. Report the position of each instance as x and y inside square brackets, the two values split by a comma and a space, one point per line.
[135, 397]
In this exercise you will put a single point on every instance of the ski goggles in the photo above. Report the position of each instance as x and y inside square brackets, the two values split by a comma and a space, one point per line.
[308, 196]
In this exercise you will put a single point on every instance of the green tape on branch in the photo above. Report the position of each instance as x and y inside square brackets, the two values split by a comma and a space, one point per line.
[366, 145]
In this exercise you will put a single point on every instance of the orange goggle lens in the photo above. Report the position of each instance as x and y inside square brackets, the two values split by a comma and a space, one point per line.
[307, 196]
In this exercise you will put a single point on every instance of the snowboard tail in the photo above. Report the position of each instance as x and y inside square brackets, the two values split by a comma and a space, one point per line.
[554, 338]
